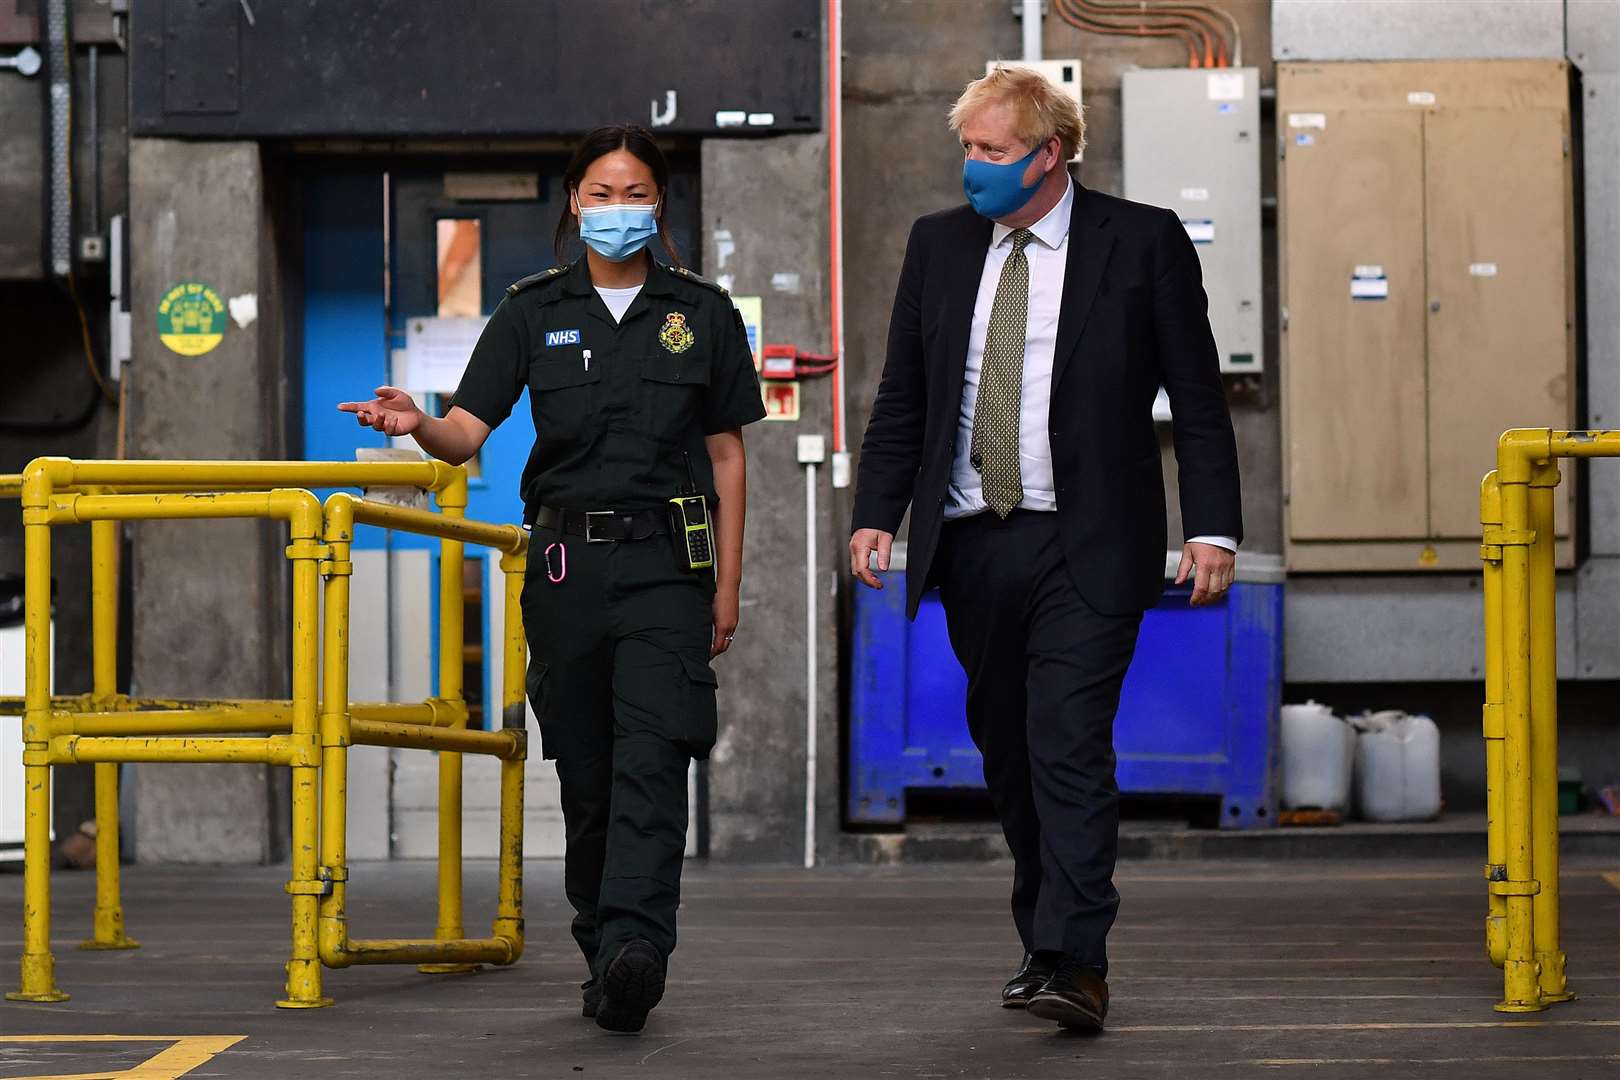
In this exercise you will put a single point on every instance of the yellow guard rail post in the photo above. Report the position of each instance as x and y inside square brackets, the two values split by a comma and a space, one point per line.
[106, 727]
[442, 952]
[50, 738]
[1520, 714]
[105, 571]
[189, 717]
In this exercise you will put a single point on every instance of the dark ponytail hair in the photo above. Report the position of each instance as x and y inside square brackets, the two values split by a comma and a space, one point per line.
[599, 143]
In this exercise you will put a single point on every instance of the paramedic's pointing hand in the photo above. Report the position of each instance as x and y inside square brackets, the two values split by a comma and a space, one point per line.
[391, 412]
[455, 437]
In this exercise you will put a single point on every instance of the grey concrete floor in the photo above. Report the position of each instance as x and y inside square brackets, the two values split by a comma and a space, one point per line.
[1349, 968]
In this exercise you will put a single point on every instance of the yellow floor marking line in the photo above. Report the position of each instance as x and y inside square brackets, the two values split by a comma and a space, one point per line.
[1437, 1025]
[184, 1054]
[1613, 879]
[1494, 1059]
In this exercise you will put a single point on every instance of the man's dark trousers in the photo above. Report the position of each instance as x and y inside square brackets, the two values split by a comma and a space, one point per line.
[1044, 675]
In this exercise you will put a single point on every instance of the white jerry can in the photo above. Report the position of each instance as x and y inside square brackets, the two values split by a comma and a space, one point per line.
[1318, 751]
[1397, 767]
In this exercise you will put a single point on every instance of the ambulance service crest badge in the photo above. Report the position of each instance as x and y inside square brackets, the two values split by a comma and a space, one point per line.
[676, 336]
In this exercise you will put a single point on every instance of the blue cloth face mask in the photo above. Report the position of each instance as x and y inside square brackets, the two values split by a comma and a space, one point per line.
[619, 230]
[998, 190]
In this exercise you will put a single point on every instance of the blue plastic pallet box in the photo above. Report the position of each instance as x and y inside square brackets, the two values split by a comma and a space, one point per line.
[1197, 716]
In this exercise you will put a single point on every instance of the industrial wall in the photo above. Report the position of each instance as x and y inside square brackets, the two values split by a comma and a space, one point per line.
[221, 205]
[52, 403]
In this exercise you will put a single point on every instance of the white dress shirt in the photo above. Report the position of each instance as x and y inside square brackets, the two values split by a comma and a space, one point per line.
[1047, 255]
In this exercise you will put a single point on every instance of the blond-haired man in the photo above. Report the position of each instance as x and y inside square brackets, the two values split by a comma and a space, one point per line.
[1031, 332]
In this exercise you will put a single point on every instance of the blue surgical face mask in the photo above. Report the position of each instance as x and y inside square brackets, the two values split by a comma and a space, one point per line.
[619, 230]
[998, 190]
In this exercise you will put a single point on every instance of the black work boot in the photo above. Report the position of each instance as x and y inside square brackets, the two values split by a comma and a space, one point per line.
[590, 996]
[632, 984]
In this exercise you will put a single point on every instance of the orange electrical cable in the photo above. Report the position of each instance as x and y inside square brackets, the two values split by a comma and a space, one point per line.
[1203, 35]
[1078, 18]
[1203, 14]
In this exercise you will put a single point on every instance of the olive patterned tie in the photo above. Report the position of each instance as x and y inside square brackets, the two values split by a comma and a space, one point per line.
[998, 410]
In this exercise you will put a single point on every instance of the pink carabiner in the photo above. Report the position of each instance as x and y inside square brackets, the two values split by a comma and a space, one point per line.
[556, 577]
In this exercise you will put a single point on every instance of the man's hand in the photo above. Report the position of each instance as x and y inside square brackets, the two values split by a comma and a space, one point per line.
[1214, 571]
[861, 546]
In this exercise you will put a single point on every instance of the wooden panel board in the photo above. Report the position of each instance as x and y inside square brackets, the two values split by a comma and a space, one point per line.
[1354, 368]
[1419, 85]
[1499, 286]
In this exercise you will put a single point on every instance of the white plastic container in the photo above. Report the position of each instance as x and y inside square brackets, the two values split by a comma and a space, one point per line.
[1397, 767]
[1318, 750]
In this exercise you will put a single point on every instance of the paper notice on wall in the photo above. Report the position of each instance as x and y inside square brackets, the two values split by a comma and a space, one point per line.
[1369, 283]
[1199, 230]
[437, 350]
[1307, 120]
[1226, 86]
[1420, 97]
[1482, 269]
[752, 310]
[1195, 194]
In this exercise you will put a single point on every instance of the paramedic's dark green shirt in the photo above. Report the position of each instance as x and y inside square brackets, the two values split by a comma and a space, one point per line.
[615, 405]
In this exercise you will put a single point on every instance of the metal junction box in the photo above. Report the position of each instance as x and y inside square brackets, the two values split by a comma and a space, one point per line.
[1192, 144]
[1428, 292]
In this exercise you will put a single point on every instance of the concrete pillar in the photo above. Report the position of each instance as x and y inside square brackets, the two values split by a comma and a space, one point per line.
[777, 250]
[210, 598]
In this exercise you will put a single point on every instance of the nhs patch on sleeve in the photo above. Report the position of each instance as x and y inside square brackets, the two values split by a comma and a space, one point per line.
[561, 337]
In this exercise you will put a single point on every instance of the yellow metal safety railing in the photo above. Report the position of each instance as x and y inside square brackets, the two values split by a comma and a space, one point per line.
[1521, 710]
[309, 732]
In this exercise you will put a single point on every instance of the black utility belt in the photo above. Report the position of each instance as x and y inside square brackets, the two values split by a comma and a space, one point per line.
[604, 526]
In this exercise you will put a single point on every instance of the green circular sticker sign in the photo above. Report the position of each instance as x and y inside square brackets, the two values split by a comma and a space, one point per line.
[191, 318]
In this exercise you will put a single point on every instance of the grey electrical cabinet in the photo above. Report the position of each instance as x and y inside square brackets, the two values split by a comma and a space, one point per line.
[1192, 144]
[1428, 300]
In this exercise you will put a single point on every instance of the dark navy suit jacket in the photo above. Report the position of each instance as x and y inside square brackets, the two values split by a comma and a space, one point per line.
[1134, 317]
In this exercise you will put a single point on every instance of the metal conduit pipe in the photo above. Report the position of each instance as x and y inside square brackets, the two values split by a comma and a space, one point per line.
[59, 85]
[1077, 17]
[1202, 33]
[1205, 14]
[1031, 14]
[812, 664]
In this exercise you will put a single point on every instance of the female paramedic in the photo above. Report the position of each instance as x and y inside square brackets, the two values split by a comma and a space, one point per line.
[640, 381]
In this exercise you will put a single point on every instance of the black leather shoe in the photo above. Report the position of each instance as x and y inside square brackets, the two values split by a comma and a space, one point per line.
[590, 995]
[1075, 996]
[1029, 978]
[632, 984]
